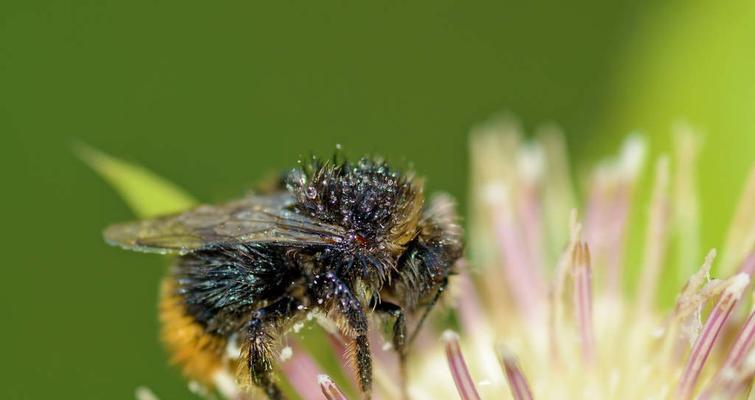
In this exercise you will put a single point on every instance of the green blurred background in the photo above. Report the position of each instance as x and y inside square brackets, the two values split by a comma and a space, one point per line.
[216, 95]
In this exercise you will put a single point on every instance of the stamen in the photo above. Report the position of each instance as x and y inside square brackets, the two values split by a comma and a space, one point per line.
[686, 317]
[300, 368]
[742, 345]
[554, 324]
[531, 165]
[469, 309]
[582, 277]
[520, 388]
[707, 338]
[338, 345]
[748, 265]
[740, 238]
[558, 189]
[329, 388]
[464, 383]
[690, 297]
[726, 379]
[611, 189]
[556, 296]
[632, 157]
[655, 238]
[686, 203]
[523, 279]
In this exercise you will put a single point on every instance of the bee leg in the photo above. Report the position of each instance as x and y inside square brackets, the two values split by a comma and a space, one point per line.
[428, 308]
[263, 331]
[398, 339]
[334, 297]
[363, 357]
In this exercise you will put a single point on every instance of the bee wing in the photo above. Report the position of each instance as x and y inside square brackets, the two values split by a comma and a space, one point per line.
[254, 219]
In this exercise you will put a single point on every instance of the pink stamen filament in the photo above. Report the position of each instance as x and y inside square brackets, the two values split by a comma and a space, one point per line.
[524, 281]
[605, 225]
[531, 211]
[734, 360]
[655, 238]
[704, 344]
[742, 345]
[555, 297]
[300, 370]
[748, 265]
[464, 384]
[583, 300]
[329, 388]
[469, 308]
[520, 388]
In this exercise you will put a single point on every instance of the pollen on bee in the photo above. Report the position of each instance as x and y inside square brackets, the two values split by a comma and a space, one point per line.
[232, 349]
[143, 393]
[286, 353]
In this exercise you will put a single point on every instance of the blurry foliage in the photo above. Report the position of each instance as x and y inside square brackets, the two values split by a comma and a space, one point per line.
[691, 62]
[147, 194]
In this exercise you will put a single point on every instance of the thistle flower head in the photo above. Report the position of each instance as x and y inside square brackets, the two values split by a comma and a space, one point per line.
[545, 290]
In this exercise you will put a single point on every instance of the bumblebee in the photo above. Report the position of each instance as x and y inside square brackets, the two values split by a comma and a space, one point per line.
[339, 238]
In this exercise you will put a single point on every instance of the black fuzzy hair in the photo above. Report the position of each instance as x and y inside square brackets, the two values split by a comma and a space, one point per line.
[221, 284]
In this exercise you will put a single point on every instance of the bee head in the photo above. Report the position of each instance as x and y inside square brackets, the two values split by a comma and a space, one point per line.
[380, 207]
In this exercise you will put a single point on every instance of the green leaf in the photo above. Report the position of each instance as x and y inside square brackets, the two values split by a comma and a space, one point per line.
[146, 193]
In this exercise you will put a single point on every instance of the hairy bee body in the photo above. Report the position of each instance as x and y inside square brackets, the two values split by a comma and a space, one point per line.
[337, 238]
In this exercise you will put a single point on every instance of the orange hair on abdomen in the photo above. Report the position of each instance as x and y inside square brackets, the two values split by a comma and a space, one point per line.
[199, 354]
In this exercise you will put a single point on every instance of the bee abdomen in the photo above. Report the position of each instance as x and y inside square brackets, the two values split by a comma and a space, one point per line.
[198, 353]
[221, 286]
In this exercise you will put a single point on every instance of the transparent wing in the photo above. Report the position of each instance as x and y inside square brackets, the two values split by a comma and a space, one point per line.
[254, 219]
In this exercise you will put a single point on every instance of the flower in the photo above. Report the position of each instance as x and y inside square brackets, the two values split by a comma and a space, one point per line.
[547, 289]
[542, 305]
[553, 302]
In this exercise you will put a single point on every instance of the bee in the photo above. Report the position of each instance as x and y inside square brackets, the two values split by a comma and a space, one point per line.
[346, 240]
